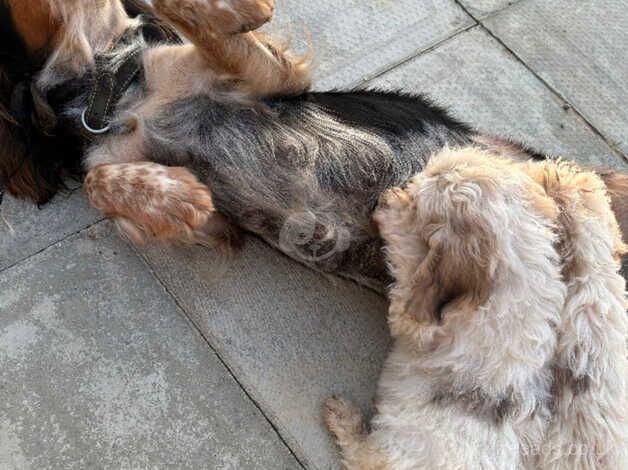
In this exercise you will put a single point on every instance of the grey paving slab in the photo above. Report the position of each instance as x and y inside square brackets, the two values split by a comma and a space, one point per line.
[27, 229]
[292, 336]
[579, 48]
[482, 8]
[100, 370]
[352, 39]
[482, 84]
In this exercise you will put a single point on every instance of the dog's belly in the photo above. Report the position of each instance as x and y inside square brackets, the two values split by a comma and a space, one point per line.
[305, 173]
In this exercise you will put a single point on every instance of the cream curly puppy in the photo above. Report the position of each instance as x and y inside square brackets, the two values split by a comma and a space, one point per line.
[508, 319]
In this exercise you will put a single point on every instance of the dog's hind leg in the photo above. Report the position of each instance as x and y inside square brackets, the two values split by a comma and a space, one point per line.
[589, 429]
[221, 30]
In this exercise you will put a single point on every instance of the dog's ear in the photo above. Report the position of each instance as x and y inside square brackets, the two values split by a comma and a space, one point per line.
[19, 174]
[460, 261]
[16, 171]
[33, 160]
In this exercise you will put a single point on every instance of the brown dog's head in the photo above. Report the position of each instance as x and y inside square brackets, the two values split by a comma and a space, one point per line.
[41, 42]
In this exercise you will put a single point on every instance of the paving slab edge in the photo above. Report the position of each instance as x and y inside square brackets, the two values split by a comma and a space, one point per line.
[268, 417]
[480, 23]
[284, 436]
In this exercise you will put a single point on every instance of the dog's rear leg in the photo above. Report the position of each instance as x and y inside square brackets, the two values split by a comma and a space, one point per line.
[222, 33]
[590, 426]
[151, 201]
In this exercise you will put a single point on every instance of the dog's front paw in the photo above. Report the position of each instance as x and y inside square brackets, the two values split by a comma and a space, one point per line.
[148, 200]
[343, 418]
[394, 198]
[241, 16]
[216, 17]
[391, 202]
[254, 13]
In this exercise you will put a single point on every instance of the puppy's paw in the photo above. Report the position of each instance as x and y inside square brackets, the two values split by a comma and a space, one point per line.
[229, 17]
[394, 199]
[343, 418]
[391, 204]
[147, 200]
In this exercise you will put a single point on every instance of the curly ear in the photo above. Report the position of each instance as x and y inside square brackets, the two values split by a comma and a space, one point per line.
[455, 269]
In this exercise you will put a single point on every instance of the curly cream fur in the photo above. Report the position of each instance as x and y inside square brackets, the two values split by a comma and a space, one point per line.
[500, 286]
[589, 429]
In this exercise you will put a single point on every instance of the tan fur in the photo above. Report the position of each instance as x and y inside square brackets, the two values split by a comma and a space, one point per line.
[33, 21]
[590, 427]
[509, 321]
[252, 60]
[147, 200]
[468, 381]
[73, 29]
[500, 148]
[617, 186]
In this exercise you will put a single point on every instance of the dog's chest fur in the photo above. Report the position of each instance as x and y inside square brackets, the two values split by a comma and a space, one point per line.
[305, 173]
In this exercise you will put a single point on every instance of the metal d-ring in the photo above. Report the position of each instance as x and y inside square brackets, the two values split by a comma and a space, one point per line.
[89, 129]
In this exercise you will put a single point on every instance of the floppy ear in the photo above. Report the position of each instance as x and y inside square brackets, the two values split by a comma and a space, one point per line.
[33, 162]
[459, 264]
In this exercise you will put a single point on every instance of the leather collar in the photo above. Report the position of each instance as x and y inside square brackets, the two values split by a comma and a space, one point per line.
[114, 77]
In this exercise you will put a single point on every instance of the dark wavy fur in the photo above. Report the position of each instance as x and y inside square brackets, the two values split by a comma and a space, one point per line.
[36, 155]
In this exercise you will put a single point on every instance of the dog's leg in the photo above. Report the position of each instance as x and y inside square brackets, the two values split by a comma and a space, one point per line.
[221, 30]
[589, 429]
[345, 422]
[148, 200]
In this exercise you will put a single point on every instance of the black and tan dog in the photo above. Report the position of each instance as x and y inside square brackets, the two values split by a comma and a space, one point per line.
[185, 142]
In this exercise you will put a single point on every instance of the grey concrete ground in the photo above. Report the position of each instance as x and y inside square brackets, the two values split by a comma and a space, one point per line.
[113, 357]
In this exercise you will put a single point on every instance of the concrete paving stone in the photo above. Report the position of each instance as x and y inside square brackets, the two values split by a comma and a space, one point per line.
[482, 8]
[292, 336]
[579, 48]
[482, 84]
[31, 229]
[352, 39]
[100, 370]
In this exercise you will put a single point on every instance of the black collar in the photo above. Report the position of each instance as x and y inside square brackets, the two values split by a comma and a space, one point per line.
[114, 77]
